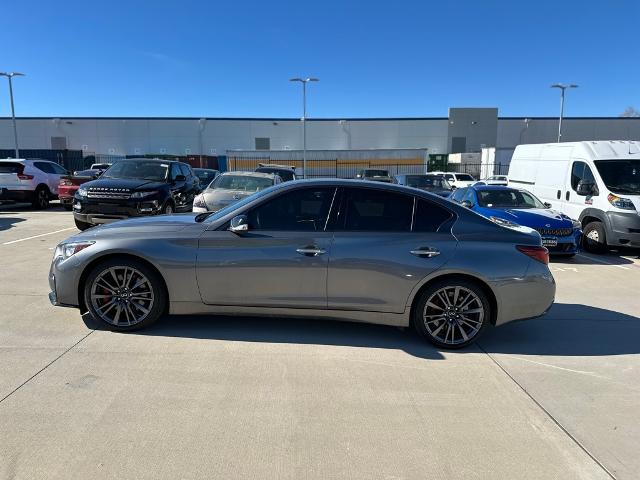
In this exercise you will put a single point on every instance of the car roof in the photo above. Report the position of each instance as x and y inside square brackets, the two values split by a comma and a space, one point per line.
[482, 188]
[249, 174]
[205, 169]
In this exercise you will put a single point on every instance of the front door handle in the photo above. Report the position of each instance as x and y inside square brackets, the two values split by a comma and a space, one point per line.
[311, 251]
[425, 252]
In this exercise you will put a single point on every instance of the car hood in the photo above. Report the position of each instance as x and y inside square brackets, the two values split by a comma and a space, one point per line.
[129, 183]
[219, 197]
[530, 217]
[151, 225]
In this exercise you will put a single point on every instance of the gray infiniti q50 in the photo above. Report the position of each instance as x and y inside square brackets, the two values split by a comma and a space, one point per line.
[338, 249]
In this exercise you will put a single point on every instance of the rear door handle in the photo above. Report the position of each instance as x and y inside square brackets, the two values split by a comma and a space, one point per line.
[311, 251]
[425, 252]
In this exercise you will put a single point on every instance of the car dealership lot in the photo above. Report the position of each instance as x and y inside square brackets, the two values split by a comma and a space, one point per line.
[555, 397]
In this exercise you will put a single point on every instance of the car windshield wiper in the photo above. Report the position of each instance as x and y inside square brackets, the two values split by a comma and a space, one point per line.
[203, 216]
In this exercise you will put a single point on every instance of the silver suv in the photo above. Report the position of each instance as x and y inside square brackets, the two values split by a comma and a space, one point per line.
[34, 181]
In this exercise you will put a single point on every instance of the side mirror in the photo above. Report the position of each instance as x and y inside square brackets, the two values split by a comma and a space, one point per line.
[180, 178]
[585, 187]
[547, 205]
[239, 224]
[99, 172]
[466, 203]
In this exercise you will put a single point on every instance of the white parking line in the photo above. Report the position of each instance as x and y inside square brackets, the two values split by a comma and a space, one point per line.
[602, 261]
[38, 236]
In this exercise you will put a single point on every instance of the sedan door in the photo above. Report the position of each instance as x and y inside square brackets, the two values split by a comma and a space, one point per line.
[281, 261]
[381, 250]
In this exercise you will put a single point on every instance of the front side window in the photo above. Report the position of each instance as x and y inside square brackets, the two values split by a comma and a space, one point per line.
[184, 170]
[303, 210]
[620, 176]
[370, 210]
[577, 171]
[458, 194]
[429, 217]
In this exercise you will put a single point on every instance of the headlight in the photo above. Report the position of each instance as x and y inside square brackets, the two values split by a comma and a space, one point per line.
[143, 194]
[82, 192]
[199, 202]
[503, 223]
[618, 202]
[65, 250]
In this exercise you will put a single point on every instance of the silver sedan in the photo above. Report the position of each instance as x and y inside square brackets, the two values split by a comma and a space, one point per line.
[336, 249]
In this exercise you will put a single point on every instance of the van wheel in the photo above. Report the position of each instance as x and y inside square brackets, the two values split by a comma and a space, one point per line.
[594, 238]
[452, 313]
[40, 198]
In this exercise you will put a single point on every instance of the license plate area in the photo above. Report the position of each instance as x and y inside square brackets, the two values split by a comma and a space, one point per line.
[549, 241]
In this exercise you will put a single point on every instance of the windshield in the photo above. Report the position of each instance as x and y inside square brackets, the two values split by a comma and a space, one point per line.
[285, 175]
[205, 176]
[620, 176]
[241, 182]
[146, 170]
[508, 199]
[376, 173]
[427, 181]
[465, 177]
[212, 216]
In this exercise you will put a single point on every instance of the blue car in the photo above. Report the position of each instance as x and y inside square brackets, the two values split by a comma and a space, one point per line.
[512, 207]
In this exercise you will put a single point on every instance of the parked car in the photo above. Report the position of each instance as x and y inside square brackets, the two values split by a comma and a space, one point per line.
[496, 180]
[326, 248]
[69, 184]
[230, 187]
[205, 176]
[428, 182]
[596, 182]
[285, 172]
[513, 207]
[457, 180]
[375, 174]
[100, 166]
[135, 187]
[30, 180]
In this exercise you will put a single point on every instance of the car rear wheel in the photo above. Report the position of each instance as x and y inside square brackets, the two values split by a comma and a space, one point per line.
[167, 209]
[124, 294]
[452, 313]
[41, 198]
[594, 238]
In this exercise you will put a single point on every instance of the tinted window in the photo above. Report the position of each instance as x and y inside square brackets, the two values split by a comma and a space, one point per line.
[184, 170]
[58, 169]
[376, 211]
[469, 196]
[246, 183]
[44, 167]
[620, 176]
[145, 169]
[458, 194]
[301, 210]
[508, 199]
[464, 177]
[11, 167]
[429, 216]
[576, 173]
[286, 175]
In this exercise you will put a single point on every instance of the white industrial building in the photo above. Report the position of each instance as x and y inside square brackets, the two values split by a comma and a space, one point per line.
[464, 130]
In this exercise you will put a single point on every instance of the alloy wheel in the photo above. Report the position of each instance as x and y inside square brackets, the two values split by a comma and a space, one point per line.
[453, 315]
[122, 296]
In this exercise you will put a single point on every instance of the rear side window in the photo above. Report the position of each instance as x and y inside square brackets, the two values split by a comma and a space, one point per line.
[429, 217]
[44, 167]
[11, 167]
[370, 210]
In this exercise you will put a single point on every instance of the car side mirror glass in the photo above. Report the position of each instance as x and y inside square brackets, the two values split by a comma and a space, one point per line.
[585, 187]
[466, 203]
[180, 178]
[239, 224]
[547, 205]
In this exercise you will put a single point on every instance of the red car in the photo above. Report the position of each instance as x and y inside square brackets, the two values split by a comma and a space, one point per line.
[70, 183]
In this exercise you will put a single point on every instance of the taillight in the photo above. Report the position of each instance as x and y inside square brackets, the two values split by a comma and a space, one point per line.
[22, 175]
[541, 254]
[66, 183]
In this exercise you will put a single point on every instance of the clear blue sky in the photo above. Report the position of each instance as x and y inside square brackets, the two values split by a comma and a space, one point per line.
[374, 58]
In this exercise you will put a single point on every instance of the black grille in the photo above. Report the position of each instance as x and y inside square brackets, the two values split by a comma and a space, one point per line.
[556, 232]
[111, 193]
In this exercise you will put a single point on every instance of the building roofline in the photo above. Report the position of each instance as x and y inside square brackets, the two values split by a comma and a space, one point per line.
[289, 119]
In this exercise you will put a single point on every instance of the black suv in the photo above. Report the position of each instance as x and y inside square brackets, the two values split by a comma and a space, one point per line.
[135, 187]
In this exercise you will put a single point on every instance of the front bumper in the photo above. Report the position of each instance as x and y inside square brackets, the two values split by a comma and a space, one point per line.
[63, 282]
[97, 212]
[624, 229]
[565, 245]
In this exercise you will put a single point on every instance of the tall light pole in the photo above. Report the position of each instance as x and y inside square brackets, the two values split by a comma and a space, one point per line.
[562, 87]
[304, 82]
[10, 75]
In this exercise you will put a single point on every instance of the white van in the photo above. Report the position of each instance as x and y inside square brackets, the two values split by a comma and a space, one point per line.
[595, 182]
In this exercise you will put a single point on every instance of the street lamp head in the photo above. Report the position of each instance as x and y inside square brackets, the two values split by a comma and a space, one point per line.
[312, 79]
[304, 80]
[564, 86]
[11, 74]
[297, 79]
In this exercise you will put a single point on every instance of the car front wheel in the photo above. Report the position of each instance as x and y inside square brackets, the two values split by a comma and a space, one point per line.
[124, 294]
[594, 238]
[452, 313]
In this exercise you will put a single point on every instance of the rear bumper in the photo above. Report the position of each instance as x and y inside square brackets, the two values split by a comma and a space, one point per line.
[8, 194]
[527, 297]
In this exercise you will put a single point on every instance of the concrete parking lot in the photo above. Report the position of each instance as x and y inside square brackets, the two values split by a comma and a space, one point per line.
[195, 397]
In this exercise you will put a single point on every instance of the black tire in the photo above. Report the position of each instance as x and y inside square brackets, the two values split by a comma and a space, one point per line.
[594, 238]
[168, 208]
[41, 198]
[425, 319]
[156, 302]
[82, 226]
